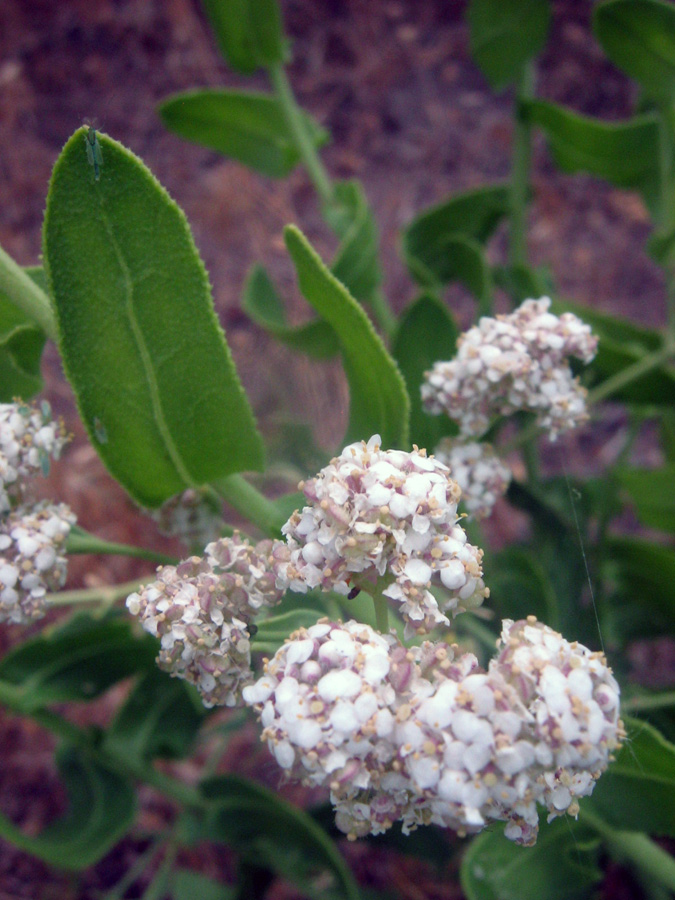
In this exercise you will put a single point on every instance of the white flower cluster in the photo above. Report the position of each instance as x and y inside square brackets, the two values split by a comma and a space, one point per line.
[190, 517]
[480, 473]
[424, 736]
[28, 438]
[389, 518]
[31, 558]
[201, 611]
[514, 362]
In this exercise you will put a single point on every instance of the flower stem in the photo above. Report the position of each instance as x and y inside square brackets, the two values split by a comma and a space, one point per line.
[22, 291]
[251, 503]
[520, 170]
[634, 848]
[80, 541]
[632, 373]
[652, 701]
[105, 595]
[381, 612]
[298, 129]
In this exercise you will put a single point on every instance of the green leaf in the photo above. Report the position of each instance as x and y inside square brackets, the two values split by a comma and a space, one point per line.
[77, 661]
[379, 403]
[562, 865]
[101, 808]
[473, 216]
[356, 263]
[667, 427]
[160, 717]
[21, 346]
[247, 126]
[249, 32]
[651, 492]
[277, 628]
[520, 586]
[505, 34]
[426, 334]
[623, 153]
[456, 258]
[140, 340]
[639, 37]
[187, 885]
[268, 831]
[646, 572]
[262, 304]
[637, 793]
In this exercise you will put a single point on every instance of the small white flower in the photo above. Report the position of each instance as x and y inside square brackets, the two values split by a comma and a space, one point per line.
[514, 362]
[32, 561]
[480, 473]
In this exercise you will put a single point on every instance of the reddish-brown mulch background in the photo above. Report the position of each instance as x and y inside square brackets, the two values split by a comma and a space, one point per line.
[413, 118]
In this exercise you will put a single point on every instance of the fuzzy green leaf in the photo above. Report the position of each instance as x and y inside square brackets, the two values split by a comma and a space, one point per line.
[249, 32]
[639, 37]
[247, 126]
[21, 346]
[141, 345]
[379, 402]
[505, 34]
[101, 808]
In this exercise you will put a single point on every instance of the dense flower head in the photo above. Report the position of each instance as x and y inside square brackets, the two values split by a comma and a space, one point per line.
[510, 363]
[387, 517]
[480, 473]
[201, 611]
[28, 438]
[189, 516]
[32, 561]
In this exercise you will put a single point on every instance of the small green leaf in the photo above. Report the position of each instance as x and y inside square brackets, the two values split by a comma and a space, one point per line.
[426, 334]
[249, 127]
[505, 34]
[473, 215]
[101, 808]
[140, 340]
[187, 885]
[456, 258]
[637, 793]
[249, 32]
[77, 661]
[646, 572]
[356, 263]
[379, 403]
[160, 717]
[268, 831]
[652, 494]
[520, 586]
[639, 37]
[562, 865]
[623, 153]
[262, 304]
[21, 346]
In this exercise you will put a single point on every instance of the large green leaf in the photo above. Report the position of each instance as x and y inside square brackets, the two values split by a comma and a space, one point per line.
[247, 126]
[505, 34]
[249, 32]
[261, 303]
[356, 263]
[623, 153]
[639, 37]
[269, 832]
[101, 808]
[637, 793]
[141, 345]
[379, 402]
[21, 346]
[426, 333]
[561, 866]
[160, 717]
[77, 661]
[473, 215]
[653, 495]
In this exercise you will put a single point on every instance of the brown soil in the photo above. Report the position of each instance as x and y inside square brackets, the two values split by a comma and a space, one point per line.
[412, 117]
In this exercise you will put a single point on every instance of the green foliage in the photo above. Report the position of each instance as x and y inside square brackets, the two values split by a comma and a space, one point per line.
[651, 492]
[101, 808]
[639, 37]
[268, 831]
[187, 885]
[646, 573]
[141, 345]
[561, 866]
[505, 34]
[379, 403]
[356, 263]
[248, 127]
[249, 32]
[21, 346]
[520, 586]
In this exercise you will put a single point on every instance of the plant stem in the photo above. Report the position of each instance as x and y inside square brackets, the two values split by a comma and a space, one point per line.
[22, 291]
[632, 373]
[520, 170]
[653, 701]
[251, 503]
[634, 848]
[80, 541]
[381, 614]
[136, 870]
[298, 129]
[105, 595]
[666, 198]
